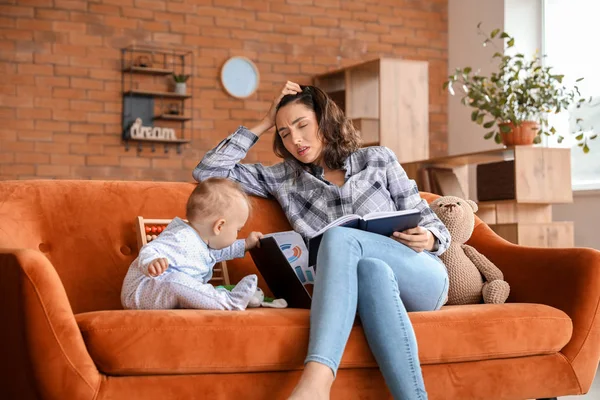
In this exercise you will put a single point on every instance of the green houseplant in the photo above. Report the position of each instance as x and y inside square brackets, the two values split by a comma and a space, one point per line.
[180, 83]
[515, 100]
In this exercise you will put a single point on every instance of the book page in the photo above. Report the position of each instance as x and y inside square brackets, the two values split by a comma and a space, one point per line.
[294, 249]
[340, 221]
[385, 214]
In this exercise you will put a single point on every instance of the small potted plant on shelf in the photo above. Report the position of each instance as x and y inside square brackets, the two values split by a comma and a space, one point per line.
[180, 83]
[514, 101]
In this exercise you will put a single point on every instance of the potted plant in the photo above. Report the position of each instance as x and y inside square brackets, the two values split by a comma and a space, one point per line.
[514, 101]
[180, 83]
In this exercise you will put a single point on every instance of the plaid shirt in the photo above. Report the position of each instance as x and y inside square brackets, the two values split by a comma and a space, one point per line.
[375, 181]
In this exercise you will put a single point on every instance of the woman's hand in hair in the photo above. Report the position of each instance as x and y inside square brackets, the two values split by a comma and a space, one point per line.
[269, 120]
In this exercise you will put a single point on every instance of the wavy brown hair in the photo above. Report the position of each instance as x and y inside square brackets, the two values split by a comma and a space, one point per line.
[340, 138]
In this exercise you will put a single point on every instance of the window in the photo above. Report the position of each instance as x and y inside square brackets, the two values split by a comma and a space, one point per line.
[570, 30]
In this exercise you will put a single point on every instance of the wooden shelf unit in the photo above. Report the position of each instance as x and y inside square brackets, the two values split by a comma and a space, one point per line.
[541, 177]
[388, 101]
[151, 93]
[152, 103]
[148, 70]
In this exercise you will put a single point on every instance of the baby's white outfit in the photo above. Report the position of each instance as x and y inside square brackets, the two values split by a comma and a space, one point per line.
[185, 283]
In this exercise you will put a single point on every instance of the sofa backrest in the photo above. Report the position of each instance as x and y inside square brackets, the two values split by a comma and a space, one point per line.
[87, 229]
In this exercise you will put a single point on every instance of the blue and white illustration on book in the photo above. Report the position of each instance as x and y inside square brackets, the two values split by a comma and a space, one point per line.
[294, 249]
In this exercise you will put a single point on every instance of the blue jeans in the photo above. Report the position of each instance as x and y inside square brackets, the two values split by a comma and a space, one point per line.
[383, 280]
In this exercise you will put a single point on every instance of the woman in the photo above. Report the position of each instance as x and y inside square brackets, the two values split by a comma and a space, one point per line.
[325, 174]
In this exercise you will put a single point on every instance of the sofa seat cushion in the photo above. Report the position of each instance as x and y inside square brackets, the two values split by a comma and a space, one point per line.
[193, 341]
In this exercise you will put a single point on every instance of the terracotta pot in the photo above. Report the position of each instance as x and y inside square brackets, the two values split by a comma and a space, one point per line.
[523, 134]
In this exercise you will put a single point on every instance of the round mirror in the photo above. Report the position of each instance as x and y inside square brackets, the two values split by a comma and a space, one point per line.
[239, 77]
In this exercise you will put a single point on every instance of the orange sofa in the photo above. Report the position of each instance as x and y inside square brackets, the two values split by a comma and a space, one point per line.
[65, 247]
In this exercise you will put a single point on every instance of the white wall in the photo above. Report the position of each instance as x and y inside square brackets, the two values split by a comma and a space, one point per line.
[585, 213]
[465, 49]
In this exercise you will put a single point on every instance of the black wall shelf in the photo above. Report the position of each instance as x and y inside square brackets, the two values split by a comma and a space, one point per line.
[147, 88]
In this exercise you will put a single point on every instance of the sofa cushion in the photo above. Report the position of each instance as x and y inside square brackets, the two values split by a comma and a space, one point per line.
[194, 341]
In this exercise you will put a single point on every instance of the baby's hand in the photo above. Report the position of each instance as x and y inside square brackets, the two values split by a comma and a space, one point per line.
[253, 240]
[158, 266]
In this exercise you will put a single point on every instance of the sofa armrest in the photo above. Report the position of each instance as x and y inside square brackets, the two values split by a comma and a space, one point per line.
[567, 279]
[38, 310]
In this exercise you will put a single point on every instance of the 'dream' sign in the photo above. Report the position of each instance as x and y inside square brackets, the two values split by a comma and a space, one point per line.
[137, 131]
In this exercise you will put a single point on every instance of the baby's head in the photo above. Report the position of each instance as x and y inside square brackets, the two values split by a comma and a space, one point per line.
[218, 209]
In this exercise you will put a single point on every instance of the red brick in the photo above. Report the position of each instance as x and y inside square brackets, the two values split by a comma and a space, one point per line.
[50, 59]
[87, 128]
[87, 149]
[63, 159]
[76, 16]
[323, 21]
[106, 9]
[102, 160]
[35, 135]
[51, 126]
[16, 11]
[169, 163]
[85, 105]
[64, 26]
[172, 18]
[139, 13]
[69, 93]
[104, 118]
[137, 162]
[68, 116]
[271, 17]
[53, 15]
[170, 38]
[26, 69]
[34, 24]
[52, 170]
[32, 158]
[84, 83]
[78, 39]
[71, 71]
[16, 170]
[52, 148]
[34, 113]
[69, 138]
[7, 158]
[52, 81]
[71, 4]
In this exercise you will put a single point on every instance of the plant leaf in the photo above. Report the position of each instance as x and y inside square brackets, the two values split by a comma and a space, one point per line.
[504, 35]
[489, 135]
[489, 124]
[586, 149]
[511, 42]
[445, 86]
[474, 115]
[466, 70]
[560, 139]
[498, 138]
[494, 33]
[579, 80]
[480, 119]
[579, 137]
[505, 128]
[593, 137]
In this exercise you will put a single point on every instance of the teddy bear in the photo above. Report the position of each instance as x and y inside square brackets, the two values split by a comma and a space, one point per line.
[472, 276]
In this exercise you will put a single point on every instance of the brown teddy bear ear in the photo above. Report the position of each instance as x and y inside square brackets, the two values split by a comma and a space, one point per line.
[473, 205]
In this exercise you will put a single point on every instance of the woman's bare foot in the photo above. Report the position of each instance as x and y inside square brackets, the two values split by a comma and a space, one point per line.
[315, 383]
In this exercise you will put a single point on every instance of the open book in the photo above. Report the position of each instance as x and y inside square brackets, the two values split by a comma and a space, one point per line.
[288, 264]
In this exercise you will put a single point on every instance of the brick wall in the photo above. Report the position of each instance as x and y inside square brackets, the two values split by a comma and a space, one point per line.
[60, 99]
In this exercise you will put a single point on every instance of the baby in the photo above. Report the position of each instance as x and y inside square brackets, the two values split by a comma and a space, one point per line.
[173, 270]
